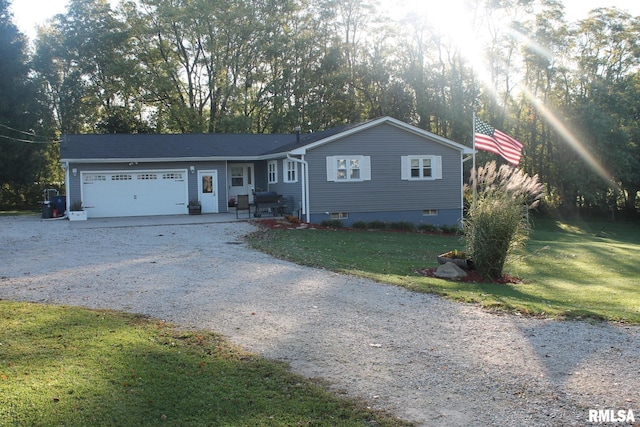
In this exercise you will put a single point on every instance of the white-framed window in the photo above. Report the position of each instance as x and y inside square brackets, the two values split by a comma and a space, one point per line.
[348, 168]
[290, 171]
[272, 168]
[421, 167]
[430, 212]
[339, 215]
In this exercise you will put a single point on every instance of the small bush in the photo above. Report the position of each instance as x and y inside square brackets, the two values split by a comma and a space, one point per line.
[332, 223]
[429, 228]
[292, 219]
[361, 225]
[402, 226]
[451, 229]
[377, 225]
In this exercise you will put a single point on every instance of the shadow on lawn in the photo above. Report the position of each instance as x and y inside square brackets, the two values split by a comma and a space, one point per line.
[81, 367]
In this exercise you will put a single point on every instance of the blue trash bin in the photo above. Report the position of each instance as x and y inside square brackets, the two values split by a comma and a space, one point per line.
[59, 204]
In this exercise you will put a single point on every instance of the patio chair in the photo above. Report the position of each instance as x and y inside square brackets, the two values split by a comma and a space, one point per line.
[242, 204]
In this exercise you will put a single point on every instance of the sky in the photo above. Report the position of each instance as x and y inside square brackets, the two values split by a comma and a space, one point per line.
[30, 13]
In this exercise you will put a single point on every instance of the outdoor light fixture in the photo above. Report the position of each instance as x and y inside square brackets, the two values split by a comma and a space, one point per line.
[192, 169]
[74, 171]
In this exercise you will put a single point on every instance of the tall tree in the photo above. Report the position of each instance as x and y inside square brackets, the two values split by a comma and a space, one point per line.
[27, 156]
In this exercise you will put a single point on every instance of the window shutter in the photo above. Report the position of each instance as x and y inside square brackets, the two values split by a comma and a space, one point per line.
[331, 168]
[437, 167]
[365, 168]
[405, 166]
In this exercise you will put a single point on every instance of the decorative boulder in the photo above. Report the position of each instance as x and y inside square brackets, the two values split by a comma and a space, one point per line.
[450, 271]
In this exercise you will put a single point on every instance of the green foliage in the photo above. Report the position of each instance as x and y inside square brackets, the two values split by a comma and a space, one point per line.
[497, 222]
[402, 226]
[25, 168]
[77, 367]
[332, 223]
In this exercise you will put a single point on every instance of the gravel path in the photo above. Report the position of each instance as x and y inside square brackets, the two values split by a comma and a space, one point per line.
[425, 359]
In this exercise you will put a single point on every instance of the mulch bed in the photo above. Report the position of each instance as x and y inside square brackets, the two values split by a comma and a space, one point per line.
[472, 277]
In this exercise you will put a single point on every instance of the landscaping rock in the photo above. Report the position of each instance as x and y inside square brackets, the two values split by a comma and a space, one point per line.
[450, 271]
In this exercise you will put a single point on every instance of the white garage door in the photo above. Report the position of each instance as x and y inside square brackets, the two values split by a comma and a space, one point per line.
[131, 193]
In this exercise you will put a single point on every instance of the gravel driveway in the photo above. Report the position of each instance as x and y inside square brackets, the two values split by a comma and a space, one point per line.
[421, 357]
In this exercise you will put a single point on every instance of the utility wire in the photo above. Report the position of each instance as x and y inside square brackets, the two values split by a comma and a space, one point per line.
[25, 133]
[17, 130]
[10, 138]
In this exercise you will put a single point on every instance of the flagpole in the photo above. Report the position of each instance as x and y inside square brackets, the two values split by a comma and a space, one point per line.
[473, 169]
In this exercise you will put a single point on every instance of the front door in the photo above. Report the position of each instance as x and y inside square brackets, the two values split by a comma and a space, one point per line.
[208, 191]
[241, 179]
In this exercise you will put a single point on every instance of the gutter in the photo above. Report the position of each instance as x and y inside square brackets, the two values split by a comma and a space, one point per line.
[305, 186]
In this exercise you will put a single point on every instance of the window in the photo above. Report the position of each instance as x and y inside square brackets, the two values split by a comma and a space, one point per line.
[339, 215]
[348, 168]
[147, 176]
[290, 171]
[121, 177]
[430, 212]
[172, 176]
[92, 178]
[207, 184]
[237, 176]
[273, 172]
[421, 167]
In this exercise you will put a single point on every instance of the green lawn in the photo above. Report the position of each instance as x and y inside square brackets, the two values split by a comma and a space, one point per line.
[569, 270]
[65, 366]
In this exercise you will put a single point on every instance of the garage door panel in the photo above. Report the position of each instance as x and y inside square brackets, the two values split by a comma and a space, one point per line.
[134, 193]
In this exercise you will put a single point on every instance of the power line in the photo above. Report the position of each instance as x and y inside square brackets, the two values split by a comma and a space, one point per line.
[17, 130]
[26, 141]
[25, 133]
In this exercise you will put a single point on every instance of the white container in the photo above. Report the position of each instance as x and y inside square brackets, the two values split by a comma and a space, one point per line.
[77, 215]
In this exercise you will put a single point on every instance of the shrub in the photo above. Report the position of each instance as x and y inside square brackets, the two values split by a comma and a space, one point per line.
[497, 222]
[361, 225]
[429, 228]
[378, 225]
[332, 223]
[451, 229]
[292, 219]
[402, 226]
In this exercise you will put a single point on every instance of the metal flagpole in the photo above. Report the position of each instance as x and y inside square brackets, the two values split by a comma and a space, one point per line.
[473, 170]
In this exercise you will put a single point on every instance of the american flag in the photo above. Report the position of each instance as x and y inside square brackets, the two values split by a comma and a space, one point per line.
[491, 139]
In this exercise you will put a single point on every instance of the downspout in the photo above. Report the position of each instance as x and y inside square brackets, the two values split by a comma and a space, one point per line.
[67, 188]
[305, 185]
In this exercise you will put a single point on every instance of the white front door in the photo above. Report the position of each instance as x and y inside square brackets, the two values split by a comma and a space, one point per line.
[208, 191]
[241, 179]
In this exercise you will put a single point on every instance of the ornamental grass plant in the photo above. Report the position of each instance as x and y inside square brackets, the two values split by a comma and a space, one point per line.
[497, 222]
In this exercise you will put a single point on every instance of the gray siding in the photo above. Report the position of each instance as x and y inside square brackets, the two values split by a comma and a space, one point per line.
[386, 191]
[293, 191]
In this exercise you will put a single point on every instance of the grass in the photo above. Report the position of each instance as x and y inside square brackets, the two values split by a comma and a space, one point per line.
[569, 270]
[77, 367]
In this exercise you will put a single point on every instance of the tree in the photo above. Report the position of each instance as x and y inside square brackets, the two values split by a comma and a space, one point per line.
[27, 156]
